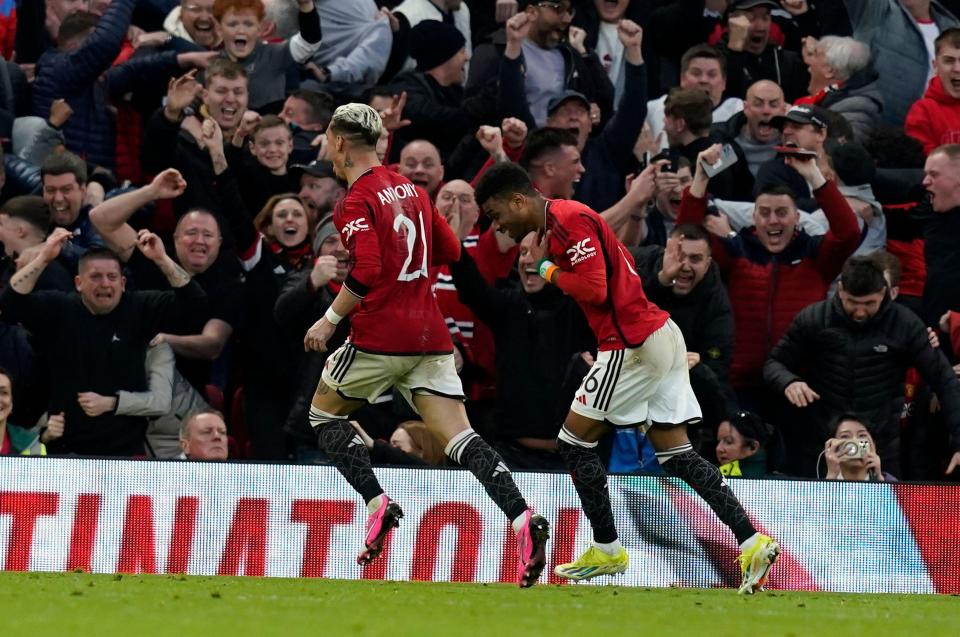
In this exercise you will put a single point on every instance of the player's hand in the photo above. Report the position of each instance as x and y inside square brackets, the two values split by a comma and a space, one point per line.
[933, 338]
[54, 430]
[151, 246]
[158, 339]
[93, 404]
[954, 463]
[168, 185]
[693, 359]
[324, 269]
[392, 116]
[514, 132]
[539, 249]
[800, 395]
[318, 335]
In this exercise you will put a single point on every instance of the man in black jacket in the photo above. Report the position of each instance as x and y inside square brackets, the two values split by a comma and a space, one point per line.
[850, 353]
[540, 42]
[97, 339]
[751, 56]
[941, 231]
[436, 106]
[540, 334]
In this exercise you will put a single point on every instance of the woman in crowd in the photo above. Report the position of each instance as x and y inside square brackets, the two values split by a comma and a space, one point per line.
[851, 453]
[742, 445]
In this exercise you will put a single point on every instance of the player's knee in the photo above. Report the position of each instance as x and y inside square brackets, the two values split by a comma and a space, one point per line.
[569, 438]
[455, 448]
[320, 418]
[682, 455]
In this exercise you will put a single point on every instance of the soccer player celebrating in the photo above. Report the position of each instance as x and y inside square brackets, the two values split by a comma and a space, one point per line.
[640, 376]
[398, 337]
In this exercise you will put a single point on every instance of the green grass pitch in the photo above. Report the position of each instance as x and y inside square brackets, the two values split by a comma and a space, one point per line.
[69, 604]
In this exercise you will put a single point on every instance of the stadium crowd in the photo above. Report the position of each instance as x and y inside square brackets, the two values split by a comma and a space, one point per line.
[166, 218]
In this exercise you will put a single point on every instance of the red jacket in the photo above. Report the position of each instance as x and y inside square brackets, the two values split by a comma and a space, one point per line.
[934, 119]
[768, 290]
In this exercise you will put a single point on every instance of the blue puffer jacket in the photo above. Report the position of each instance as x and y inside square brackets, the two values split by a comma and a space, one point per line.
[85, 79]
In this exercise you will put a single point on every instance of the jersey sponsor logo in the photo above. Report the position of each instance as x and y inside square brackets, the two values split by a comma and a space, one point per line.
[357, 225]
[393, 194]
[880, 349]
[581, 251]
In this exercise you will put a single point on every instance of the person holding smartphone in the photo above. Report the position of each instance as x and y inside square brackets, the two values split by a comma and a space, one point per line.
[773, 268]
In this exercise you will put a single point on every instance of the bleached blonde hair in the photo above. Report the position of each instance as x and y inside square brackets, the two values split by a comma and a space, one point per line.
[358, 123]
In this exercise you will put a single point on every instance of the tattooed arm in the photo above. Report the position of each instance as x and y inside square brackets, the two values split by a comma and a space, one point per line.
[152, 248]
[26, 277]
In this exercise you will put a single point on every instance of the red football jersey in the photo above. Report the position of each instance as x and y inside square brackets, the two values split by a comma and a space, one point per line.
[599, 273]
[394, 234]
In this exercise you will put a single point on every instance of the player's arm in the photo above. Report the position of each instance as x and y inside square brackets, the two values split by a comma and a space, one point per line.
[359, 236]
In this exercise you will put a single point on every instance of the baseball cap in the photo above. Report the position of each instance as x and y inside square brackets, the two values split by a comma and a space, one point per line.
[802, 114]
[316, 168]
[556, 101]
[743, 5]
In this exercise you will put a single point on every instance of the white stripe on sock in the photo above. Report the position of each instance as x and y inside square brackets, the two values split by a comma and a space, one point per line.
[572, 439]
[458, 443]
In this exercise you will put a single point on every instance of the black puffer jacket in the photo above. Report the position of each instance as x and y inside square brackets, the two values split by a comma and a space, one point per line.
[860, 368]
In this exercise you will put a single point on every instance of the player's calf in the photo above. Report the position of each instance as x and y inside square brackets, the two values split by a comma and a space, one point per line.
[685, 463]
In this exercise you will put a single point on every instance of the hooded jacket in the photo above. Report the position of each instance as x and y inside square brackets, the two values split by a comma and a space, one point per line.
[860, 367]
[934, 119]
